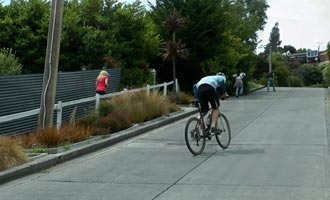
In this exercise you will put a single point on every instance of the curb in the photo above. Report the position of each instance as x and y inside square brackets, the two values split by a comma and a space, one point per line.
[50, 160]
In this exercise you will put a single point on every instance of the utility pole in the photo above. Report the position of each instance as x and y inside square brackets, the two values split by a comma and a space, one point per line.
[51, 66]
[270, 60]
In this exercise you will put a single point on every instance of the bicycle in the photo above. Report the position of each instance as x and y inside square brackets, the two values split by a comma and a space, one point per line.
[197, 130]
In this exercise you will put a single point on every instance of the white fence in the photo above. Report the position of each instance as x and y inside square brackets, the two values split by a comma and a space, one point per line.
[59, 106]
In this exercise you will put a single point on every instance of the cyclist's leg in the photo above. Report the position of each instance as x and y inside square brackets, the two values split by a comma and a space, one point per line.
[215, 104]
[203, 97]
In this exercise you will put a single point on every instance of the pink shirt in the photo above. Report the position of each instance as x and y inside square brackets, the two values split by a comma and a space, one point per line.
[101, 84]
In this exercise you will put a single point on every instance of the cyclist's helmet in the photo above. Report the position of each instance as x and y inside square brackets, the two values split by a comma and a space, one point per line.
[221, 74]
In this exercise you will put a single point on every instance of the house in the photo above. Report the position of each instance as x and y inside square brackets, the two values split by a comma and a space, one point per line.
[310, 56]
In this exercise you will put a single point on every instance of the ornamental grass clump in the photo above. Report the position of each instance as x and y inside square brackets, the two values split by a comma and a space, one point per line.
[11, 153]
[73, 134]
[49, 137]
[142, 107]
[27, 141]
[118, 121]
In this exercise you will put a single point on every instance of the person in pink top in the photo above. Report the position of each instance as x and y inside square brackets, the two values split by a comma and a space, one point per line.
[101, 82]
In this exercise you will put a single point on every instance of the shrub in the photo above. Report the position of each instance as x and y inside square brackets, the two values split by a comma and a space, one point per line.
[105, 108]
[141, 107]
[294, 81]
[263, 79]
[11, 153]
[102, 126]
[101, 131]
[310, 74]
[118, 120]
[86, 120]
[281, 75]
[173, 108]
[49, 137]
[182, 98]
[74, 134]
[326, 74]
[9, 63]
[26, 141]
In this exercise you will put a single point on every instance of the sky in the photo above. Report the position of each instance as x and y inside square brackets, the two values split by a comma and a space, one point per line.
[302, 23]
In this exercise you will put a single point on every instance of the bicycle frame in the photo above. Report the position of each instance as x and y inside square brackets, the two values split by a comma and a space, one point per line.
[197, 104]
[205, 129]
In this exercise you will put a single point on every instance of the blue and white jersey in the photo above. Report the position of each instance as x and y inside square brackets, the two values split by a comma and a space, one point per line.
[215, 81]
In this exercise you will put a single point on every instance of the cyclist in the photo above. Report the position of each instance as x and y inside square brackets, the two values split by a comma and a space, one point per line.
[206, 92]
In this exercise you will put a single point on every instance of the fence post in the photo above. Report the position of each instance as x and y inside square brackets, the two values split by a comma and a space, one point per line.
[165, 89]
[97, 101]
[176, 86]
[148, 89]
[59, 109]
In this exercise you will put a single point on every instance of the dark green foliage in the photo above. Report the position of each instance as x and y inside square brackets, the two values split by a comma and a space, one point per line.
[328, 49]
[218, 33]
[9, 64]
[133, 77]
[310, 74]
[86, 120]
[289, 48]
[105, 108]
[294, 81]
[23, 28]
[326, 74]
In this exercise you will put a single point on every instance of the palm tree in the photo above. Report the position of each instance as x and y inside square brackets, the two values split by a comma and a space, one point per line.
[173, 49]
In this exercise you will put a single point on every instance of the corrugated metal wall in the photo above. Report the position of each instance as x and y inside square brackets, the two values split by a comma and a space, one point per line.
[23, 93]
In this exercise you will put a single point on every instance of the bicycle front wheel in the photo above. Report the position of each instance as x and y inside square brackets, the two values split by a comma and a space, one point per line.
[224, 135]
[194, 136]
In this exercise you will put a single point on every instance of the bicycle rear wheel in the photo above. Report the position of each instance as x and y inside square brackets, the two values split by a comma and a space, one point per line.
[194, 136]
[224, 135]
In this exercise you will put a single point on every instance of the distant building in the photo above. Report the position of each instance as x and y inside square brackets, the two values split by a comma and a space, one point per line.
[323, 56]
[310, 56]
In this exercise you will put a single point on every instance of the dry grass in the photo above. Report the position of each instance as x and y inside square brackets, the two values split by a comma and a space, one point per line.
[49, 137]
[118, 121]
[181, 98]
[141, 107]
[73, 134]
[11, 153]
[27, 141]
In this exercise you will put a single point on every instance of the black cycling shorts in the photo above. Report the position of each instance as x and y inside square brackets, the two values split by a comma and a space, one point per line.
[206, 93]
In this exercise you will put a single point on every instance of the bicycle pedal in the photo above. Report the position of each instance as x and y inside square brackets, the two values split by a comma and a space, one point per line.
[209, 136]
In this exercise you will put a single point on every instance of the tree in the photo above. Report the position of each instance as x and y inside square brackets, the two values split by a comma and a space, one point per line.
[135, 42]
[217, 33]
[9, 64]
[173, 48]
[274, 39]
[23, 28]
[328, 49]
[289, 48]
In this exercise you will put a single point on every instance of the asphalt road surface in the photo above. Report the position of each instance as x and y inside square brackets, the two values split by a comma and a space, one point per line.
[279, 150]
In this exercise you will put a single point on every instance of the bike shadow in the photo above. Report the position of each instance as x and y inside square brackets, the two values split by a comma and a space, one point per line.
[240, 151]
